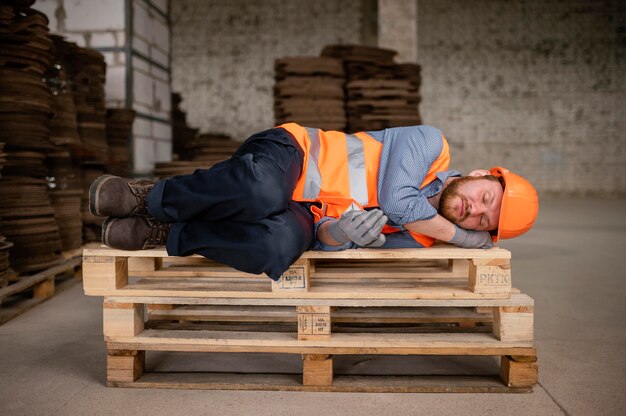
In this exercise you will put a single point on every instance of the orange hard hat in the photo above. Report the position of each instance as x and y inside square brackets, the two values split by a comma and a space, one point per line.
[520, 204]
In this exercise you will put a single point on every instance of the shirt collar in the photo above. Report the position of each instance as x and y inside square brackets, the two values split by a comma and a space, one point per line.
[435, 186]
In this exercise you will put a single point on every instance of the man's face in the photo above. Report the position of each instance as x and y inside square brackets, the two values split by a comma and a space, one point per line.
[472, 202]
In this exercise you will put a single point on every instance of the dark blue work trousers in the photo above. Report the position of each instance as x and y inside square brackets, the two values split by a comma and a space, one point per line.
[240, 212]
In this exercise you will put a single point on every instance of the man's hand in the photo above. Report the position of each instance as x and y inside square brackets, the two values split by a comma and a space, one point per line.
[362, 227]
[471, 239]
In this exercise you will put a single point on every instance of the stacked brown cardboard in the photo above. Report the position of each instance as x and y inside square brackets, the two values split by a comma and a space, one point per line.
[379, 93]
[4, 244]
[64, 181]
[26, 53]
[119, 127]
[63, 125]
[202, 152]
[310, 91]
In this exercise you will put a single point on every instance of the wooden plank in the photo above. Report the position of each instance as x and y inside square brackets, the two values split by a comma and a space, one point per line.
[517, 299]
[362, 315]
[344, 343]
[206, 289]
[341, 383]
[436, 252]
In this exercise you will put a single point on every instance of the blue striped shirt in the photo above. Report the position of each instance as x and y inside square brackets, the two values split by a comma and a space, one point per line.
[406, 158]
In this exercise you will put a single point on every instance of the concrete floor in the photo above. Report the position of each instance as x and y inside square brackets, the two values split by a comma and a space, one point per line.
[52, 358]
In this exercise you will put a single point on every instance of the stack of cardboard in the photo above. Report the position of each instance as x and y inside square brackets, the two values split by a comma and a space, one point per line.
[379, 93]
[310, 92]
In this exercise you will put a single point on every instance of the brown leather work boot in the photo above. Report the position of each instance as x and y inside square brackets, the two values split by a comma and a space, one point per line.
[134, 233]
[112, 196]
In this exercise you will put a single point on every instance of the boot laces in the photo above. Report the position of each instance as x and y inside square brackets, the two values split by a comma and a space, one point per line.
[140, 189]
[158, 233]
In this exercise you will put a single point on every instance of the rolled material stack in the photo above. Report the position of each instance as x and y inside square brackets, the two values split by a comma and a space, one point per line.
[3, 157]
[119, 126]
[26, 53]
[4, 244]
[310, 92]
[87, 70]
[379, 93]
[181, 132]
[63, 125]
[28, 220]
[4, 260]
[64, 181]
[202, 152]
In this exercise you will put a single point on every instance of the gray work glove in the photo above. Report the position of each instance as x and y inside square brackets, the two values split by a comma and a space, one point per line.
[362, 227]
[471, 239]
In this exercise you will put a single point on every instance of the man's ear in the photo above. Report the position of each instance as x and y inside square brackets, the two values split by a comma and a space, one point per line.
[479, 172]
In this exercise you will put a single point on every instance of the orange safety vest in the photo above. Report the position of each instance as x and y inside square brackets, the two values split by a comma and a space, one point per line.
[341, 170]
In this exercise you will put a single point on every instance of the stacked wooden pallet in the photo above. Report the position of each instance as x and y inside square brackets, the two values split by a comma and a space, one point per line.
[309, 91]
[354, 302]
[36, 288]
[379, 93]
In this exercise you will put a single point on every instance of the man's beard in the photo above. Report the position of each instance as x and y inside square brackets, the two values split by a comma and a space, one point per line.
[446, 207]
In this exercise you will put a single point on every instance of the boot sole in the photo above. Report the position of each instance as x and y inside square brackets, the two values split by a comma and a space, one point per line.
[105, 231]
[94, 191]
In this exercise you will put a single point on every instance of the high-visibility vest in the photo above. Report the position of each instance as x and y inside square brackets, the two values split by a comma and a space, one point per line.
[341, 171]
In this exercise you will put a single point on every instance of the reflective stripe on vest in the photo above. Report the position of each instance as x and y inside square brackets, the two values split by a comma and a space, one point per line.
[313, 177]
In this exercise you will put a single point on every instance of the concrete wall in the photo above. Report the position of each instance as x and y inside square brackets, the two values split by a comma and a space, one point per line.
[397, 28]
[223, 53]
[537, 86]
[534, 85]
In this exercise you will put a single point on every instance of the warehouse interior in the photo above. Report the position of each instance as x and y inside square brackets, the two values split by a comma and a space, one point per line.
[155, 88]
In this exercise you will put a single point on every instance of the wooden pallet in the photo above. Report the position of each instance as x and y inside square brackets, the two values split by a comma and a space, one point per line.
[434, 302]
[442, 272]
[31, 290]
[509, 336]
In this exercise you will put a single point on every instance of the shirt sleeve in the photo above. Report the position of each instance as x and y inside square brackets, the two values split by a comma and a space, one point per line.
[406, 158]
